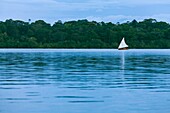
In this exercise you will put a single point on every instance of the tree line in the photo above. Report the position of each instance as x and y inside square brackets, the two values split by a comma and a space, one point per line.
[148, 33]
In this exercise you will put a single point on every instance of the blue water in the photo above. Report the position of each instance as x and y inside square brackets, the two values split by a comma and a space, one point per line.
[84, 81]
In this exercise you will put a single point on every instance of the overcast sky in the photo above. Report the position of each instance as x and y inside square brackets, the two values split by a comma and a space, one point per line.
[98, 10]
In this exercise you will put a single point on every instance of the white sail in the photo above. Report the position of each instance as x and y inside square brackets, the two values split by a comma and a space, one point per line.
[123, 44]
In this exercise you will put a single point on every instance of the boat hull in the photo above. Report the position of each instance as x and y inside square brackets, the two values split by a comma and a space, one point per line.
[125, 48]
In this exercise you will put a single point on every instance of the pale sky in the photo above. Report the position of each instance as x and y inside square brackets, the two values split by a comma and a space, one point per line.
[97, 10]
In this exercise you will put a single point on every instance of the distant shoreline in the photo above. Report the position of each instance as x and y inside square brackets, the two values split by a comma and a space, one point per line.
[84, 48]
[84, 34]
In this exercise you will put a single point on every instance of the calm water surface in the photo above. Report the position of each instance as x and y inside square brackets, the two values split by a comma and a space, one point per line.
[84, 81]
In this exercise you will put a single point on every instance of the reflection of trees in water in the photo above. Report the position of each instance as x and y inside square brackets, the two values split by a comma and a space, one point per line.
[147, 72]
[84, 71]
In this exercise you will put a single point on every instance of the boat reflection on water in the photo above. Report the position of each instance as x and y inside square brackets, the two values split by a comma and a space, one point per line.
[122, 68]
[122, 60]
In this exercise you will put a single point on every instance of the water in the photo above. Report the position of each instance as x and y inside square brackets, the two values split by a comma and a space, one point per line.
[84, 81]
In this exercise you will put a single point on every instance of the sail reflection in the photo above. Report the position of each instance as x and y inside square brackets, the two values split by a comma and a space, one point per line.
[122, 68]
[122, 61]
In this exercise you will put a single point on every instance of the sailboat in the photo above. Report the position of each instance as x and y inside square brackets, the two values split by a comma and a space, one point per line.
[123, 45]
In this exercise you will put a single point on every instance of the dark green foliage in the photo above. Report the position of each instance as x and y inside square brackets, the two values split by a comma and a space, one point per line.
[84, 34]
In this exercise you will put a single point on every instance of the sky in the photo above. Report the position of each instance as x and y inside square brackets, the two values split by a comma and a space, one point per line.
[93, 10]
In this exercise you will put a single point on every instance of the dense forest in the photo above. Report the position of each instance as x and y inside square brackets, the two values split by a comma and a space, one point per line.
[148, 33]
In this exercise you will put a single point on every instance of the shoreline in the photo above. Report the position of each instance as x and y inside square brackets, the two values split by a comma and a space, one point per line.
[25, 50]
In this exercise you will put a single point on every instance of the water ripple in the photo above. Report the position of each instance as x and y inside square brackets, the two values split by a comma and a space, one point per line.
[89, 78]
